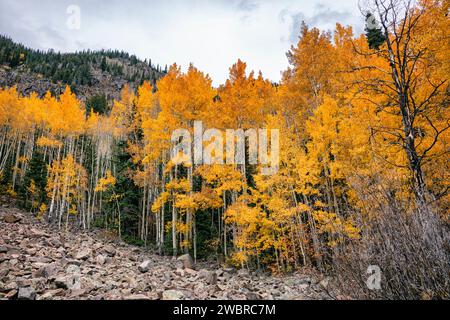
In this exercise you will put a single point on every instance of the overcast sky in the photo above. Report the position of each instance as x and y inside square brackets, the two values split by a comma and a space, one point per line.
[211, 34]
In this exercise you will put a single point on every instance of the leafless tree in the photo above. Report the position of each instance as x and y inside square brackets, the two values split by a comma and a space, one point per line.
[400, 23]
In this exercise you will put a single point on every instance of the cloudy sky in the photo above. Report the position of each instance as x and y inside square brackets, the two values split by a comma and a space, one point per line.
[211, 34]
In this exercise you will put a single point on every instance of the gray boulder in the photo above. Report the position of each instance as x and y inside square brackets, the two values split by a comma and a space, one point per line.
[26, 293]
[145, 266]
[188, 262]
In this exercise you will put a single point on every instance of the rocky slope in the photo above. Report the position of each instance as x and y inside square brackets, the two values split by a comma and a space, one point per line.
[39, 262]
[28, 82]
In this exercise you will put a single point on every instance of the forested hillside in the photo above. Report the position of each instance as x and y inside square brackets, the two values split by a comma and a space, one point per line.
[88, 73]
[363, 177]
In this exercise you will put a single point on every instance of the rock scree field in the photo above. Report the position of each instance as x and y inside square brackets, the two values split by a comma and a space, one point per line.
[38, 262]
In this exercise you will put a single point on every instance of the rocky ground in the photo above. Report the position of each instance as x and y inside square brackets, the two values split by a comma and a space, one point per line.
[38, 262]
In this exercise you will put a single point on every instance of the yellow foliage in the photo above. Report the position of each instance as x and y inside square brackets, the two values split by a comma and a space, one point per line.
[106, 182]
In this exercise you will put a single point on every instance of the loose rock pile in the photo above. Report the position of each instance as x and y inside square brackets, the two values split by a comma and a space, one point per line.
[39, 262]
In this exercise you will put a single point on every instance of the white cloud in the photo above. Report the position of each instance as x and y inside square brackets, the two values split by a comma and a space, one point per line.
[210, 34]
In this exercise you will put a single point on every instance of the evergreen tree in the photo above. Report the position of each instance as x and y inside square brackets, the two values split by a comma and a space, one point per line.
[104, 65]
[374, 35]
[35, 181]
[98, 104]
[123, 198]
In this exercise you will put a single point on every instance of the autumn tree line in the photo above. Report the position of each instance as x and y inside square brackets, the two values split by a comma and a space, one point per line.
[364, 147]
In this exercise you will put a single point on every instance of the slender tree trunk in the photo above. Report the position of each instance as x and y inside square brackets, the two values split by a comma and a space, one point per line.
[174, 222]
